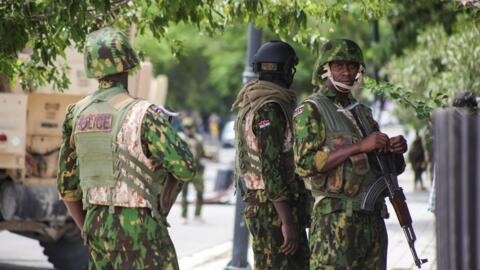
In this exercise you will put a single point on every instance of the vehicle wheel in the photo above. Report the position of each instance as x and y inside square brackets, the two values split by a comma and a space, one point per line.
[67, 253]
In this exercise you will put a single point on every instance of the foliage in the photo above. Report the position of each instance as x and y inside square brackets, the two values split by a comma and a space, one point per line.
[204, 73]
[301, 20]
[48, 27]
[406, 99]
[208, 73]
[428, 76]
[44, 29]
[200, 44]
[410, 17]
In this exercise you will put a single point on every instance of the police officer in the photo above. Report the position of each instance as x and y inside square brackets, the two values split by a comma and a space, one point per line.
[274, 212]
[195, 143]
[334, 159]
[121, 164]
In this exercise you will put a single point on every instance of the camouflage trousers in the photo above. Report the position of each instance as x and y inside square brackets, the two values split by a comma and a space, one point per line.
[264, 225]
[199, 188]
[340, 240]
[129, 238]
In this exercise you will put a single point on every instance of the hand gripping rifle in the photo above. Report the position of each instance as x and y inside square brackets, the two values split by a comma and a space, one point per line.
[395, 192]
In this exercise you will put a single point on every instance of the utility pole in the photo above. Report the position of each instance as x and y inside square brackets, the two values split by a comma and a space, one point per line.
[239, 259]
[379, 99]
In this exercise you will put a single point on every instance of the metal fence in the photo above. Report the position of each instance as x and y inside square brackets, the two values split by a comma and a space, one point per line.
[456, 135]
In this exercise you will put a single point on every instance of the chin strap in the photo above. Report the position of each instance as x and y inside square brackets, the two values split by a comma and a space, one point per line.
[341, 87]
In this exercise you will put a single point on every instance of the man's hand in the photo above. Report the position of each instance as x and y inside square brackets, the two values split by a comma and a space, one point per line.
[375, 141]
[289, 229]
[76, 211]
[398, 145]
[290, 239]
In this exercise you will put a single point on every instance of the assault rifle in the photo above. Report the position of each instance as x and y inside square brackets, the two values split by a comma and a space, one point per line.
[395, 192]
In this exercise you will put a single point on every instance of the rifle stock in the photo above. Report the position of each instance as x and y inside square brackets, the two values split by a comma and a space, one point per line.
[405, 220]
[395, 192]
[401, 209]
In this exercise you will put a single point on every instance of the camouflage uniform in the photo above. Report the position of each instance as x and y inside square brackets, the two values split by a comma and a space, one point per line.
[341, 235]
[125, 221]
[267, 132]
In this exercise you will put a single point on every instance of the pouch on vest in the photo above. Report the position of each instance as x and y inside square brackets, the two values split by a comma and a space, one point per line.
[355, 170]
[346, 178]
[100, 159]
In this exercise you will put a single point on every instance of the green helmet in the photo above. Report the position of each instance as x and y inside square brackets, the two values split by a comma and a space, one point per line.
[107, 51]
[339, 49]
[188, 122]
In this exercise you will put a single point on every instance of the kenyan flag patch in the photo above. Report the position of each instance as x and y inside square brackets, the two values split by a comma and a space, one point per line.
[263, 123]
[298, 110]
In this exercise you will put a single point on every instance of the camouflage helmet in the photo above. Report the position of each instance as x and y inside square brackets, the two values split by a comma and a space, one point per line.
[188, 122]
[107, 51]
[339, 49]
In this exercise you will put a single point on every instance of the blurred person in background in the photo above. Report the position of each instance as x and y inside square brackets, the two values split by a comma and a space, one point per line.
[196, 145]
[214, 127]
[417, 159]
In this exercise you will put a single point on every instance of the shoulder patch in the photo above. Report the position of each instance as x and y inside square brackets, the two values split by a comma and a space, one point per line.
[298, 110]
[263, 123]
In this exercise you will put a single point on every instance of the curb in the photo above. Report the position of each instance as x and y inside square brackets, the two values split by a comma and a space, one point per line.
[200, 258]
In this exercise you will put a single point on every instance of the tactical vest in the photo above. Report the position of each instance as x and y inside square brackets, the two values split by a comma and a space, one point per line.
[247, 161]
[354, 175]
[113, 169]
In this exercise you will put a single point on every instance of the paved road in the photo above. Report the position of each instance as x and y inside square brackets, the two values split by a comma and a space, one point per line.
[399, 255]
[21, 253]
[207, 246]
[194, 241]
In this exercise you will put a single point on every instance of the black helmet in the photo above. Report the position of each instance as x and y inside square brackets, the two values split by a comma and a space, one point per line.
[465, 99]
[275, 60]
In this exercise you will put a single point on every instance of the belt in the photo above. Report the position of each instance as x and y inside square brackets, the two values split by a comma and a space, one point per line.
[331, 204]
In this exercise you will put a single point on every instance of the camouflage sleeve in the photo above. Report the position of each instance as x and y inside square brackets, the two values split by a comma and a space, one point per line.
[160, 141]
[67, 176]
[309, 138]
[269, 126]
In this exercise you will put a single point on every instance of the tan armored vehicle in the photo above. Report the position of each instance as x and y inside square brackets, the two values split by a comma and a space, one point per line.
[30, 137]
